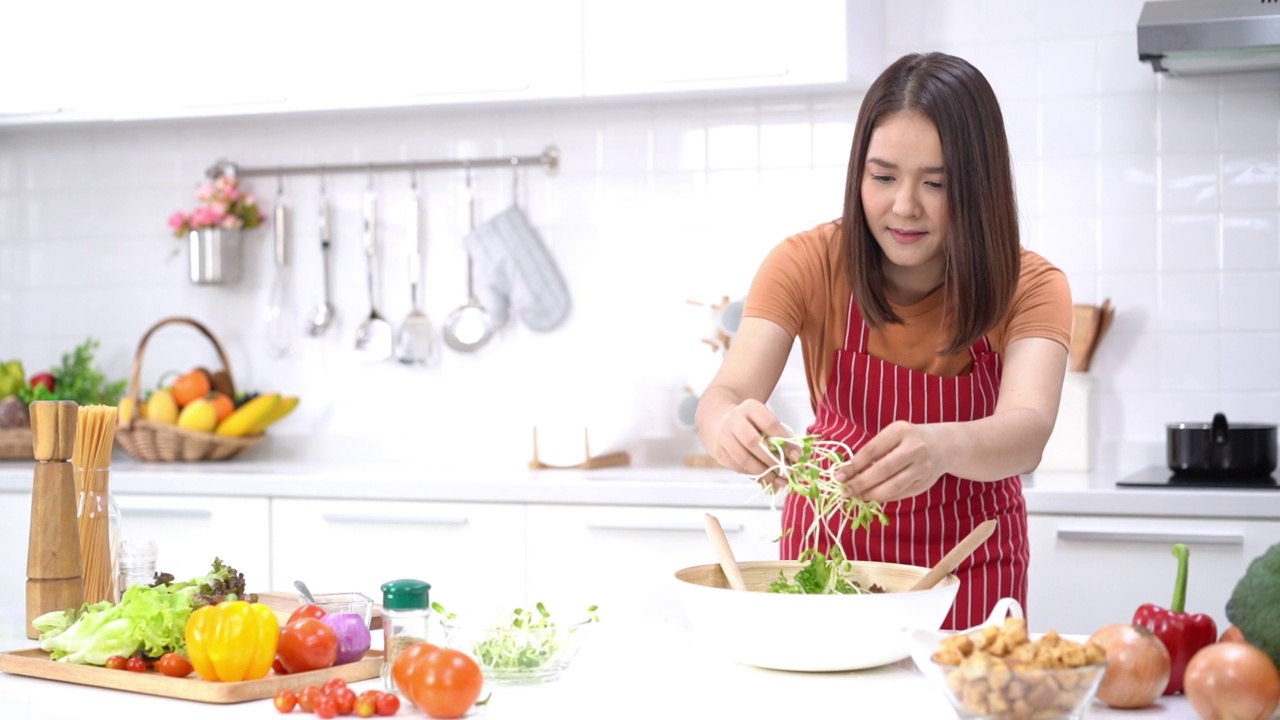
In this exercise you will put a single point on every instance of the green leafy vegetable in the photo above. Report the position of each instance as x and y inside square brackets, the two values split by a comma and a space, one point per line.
[822, 575]
[78, 380]
[221, 583]
[147, 619]
[522, 640]
[812, 475]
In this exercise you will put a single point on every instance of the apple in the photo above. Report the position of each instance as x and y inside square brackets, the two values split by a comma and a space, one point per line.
[44, 379]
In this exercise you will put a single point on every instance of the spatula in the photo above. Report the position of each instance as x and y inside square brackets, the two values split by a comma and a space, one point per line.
[962, 550]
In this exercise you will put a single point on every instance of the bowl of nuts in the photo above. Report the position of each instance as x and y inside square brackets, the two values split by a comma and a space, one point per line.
[999, 671]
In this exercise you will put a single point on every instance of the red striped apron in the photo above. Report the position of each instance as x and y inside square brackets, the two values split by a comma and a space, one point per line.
[864, 394]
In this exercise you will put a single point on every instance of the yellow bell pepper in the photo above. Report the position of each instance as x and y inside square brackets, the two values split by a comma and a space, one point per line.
[232, 641]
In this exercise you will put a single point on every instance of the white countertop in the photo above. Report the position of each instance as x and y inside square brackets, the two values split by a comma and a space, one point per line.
[339, 477]
[646, 668]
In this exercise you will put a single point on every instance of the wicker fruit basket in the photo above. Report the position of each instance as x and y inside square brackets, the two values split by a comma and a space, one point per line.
[162, 442]
[15, 444]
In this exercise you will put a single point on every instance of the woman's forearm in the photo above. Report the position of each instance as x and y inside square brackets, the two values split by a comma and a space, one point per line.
[995, 447]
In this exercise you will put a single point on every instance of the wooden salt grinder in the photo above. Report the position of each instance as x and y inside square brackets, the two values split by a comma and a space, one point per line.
[54, 579]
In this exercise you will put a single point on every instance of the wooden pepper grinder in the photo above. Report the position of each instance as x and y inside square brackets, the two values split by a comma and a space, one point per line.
[54, 580]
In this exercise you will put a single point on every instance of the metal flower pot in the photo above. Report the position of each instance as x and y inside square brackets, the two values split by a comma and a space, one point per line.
[215, 256]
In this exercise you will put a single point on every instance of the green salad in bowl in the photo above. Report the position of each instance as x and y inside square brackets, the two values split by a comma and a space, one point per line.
[519, 646]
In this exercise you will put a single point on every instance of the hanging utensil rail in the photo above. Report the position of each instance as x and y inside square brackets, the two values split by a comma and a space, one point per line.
[550, 159]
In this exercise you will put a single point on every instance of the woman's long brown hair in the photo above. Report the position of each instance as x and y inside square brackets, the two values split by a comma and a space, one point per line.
[982, 247]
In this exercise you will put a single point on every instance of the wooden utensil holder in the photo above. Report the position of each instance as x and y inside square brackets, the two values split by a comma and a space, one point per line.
[589, 462]
[54, 580]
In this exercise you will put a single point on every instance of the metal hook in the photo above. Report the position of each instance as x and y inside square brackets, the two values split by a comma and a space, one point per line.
[279, 184]
[413, 181]
[322, 180]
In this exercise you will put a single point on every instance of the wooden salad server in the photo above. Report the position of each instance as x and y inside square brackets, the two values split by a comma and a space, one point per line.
[962, 550]
[724, 553]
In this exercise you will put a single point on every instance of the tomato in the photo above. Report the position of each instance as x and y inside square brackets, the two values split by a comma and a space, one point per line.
[116, 662]
[135, 664]
[174, 665]
[367, 703]
[308, 697]
[333, 684]
[278, 668]
[312, 611]
[443, 683]
[325, 707]
[344, 698]
[307, 644]
[286, 700]
[387, 705]
[44, 379]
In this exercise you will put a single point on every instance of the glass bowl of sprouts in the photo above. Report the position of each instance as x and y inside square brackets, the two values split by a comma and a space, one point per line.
[821, 612]
[523, 645]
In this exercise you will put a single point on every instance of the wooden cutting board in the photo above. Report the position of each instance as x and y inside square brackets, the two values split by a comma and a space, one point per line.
[35, 662]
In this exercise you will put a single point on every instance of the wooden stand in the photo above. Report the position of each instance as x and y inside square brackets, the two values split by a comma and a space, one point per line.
[701, 461]
[614, 459]
[54, 580]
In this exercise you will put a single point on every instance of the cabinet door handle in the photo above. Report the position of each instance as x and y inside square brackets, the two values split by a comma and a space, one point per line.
[394, 519]
[663, 527]
[165, 512]
[1162, 538]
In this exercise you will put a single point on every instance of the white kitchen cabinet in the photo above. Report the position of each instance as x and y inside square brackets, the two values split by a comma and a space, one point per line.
[15, 527]
[472, 554]
[673, 46]
[190, 531]
[1087, 572]
[624, 558]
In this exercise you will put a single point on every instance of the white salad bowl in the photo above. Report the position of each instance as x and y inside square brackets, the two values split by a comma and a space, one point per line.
[811, 633]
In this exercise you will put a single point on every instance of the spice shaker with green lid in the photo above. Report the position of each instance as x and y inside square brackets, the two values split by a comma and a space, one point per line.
[406, 609]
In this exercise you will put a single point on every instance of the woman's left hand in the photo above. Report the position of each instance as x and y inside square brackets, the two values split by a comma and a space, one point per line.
[900, 462]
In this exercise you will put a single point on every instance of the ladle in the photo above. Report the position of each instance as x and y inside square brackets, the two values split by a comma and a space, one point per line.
[467, 328]
[374, 337]
[324, 314]
[962, 550]
[724, 553]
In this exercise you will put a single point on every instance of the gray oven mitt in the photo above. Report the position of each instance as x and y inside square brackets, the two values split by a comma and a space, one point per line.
[513, 267]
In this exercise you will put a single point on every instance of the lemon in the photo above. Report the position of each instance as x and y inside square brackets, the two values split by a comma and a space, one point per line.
[199, 414]
[161, 407]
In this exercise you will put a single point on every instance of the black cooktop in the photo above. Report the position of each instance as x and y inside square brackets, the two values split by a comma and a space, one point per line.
[1163, 477]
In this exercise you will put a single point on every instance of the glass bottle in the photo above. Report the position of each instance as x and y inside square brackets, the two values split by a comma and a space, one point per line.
[98, 518]
[136, 564]
[406, 610]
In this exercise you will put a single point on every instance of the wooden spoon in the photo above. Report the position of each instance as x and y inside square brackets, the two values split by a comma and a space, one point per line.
[958, 553]
[725, 553]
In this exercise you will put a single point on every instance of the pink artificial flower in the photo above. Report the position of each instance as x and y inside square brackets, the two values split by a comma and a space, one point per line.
[177, 220]
[206, 216]
[204, 192]
[231, 222]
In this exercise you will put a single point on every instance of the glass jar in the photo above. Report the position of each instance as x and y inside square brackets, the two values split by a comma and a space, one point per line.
[98, 519]
[406, 610]
[136, 565]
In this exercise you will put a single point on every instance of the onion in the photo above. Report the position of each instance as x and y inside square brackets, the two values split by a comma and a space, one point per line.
[1138, 665]
[353, 635]
[1232, 634]
[1232, 681]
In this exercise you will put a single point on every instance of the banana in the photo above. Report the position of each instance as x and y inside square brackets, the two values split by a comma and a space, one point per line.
[247, 416]
[284, 407]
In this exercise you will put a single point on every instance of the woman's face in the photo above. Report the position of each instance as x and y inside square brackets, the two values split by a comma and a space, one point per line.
[904, 197]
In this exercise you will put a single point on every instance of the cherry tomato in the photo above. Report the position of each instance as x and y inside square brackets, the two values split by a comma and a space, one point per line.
[443, 683]
[333, 684]
[387, 704]
[326, 707]
[116, 662]
[308, 697]
[278, 668]
[174, 665]
[135, 664]
[307, 644]
[286, 700]
[367, 703]
[311, 611]
[344, 698]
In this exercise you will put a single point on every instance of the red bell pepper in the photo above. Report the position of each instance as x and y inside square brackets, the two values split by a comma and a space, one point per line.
[1182, 633]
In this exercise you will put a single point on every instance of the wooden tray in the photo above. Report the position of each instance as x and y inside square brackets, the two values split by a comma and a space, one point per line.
[34, 662]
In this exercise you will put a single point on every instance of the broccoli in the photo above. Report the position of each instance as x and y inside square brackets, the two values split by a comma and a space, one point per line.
[222, 583]
[1254, 606]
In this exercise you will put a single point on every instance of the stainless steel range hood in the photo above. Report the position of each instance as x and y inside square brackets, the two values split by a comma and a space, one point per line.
[1185, 37]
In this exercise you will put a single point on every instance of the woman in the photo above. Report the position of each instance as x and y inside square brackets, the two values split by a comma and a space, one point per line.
[934, 345]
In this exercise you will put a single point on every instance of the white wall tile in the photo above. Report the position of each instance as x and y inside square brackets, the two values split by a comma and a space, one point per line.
[1249, 181]
[1127, 243]
[1188, 362]
[1069, 185]
[1188, 122]
[1188, 183]
[1250, 361]
[1127, 183]
[1250, 301]
[1188, 301]
[1251, 241]
[1188, 243]
[1119, 69]
[1069, 126]
[1249, 120]
[1128, 124]
[1008, 19]
[1069, 66]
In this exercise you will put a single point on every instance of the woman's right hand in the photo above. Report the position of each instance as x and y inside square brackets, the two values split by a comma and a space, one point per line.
[737, 439]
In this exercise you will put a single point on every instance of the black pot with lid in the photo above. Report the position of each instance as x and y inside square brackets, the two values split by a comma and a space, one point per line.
[1221, 449]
